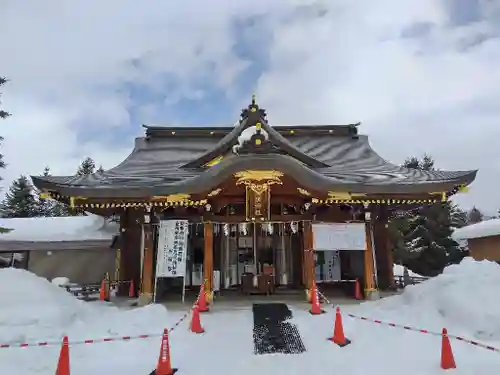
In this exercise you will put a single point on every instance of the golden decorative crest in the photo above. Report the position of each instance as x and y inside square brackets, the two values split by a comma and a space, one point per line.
[215, 192]
[251, 176]
[303, 192]
[258, 188]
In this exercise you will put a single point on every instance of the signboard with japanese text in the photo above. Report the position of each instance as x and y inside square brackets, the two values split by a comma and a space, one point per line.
[172, 248]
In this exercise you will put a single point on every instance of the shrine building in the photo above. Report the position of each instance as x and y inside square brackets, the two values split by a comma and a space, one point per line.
[264, 208]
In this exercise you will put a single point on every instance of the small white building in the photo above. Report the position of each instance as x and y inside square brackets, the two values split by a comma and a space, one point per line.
[483, 239]
[80, 248]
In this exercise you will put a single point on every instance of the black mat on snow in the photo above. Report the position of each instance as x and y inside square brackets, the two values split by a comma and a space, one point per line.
[271, 332]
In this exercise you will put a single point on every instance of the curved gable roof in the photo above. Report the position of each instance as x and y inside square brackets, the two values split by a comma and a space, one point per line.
[250, 119]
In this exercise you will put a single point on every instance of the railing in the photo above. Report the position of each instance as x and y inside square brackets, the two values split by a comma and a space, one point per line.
[403, 281]
[87, 292]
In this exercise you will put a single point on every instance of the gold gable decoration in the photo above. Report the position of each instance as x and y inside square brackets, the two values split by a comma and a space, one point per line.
[247, 177]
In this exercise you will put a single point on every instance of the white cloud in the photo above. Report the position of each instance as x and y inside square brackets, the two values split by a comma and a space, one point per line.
[335, 61]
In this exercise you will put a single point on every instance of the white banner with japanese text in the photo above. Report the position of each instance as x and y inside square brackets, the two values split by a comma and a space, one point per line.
[172, 248]
[339, 236]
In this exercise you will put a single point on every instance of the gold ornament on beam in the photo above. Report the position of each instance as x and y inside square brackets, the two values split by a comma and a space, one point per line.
[172, 198]
[45, 195]
[214, 162]
[344, 195]
[72, 200]
[215, 192]
[303, 192]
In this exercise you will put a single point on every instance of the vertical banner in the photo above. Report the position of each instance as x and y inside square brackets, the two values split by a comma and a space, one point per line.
[172, 248]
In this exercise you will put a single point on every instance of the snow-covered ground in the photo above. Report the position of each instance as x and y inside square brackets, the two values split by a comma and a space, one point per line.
[462, 299]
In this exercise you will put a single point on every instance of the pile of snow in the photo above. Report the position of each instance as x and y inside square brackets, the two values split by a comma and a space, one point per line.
[463, 298]
[33, 309]
[399, 270]
[60, 281]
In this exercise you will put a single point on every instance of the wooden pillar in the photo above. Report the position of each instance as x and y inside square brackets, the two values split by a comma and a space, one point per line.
[383, 249]
[390, 257]
[123, 267]
[146, 292]
[308, 255]
[208, 256]
[369, 274]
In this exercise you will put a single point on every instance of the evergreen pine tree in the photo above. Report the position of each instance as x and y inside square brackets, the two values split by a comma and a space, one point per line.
[475, 216]
[422, 238]
[50, 207]
[44, 205]
[20, 200]
[3, 115]
[86, 168]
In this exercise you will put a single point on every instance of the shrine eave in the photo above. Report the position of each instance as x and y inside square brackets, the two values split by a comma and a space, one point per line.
[392, 180]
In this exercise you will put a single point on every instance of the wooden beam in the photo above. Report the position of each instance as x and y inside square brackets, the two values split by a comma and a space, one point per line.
[208, 256]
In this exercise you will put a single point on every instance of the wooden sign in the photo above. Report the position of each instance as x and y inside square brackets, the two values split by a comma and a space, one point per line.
[258, 202]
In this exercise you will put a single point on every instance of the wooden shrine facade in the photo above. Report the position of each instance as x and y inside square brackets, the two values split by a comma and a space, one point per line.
[269, 180]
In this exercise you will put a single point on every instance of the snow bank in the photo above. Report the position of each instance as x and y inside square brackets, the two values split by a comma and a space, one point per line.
[463, 298]
[60, 281]
[32, 308]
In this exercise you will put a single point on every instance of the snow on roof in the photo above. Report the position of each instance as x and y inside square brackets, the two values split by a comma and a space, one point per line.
[485, 228]
[72, 228]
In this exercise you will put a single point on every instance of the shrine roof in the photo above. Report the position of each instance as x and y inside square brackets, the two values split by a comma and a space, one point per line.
[171, 160]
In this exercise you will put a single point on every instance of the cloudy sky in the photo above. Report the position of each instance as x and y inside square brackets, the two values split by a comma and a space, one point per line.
[421, 76]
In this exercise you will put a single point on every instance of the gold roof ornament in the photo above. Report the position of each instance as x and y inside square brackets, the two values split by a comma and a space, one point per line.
[250, 176]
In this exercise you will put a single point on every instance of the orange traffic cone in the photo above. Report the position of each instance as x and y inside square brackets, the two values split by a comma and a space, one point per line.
[338, 331]
[102, 291]
[447, 358]
[63, 364]
[195, 321]
[357, 291]
[131, 289]
[164, 366]
[316, 304]
[202, 300]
